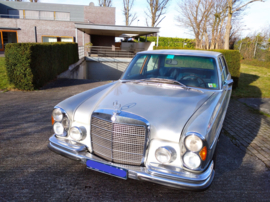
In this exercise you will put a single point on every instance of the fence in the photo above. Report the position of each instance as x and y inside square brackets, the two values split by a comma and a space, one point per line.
[108, 51]
[259, 51]
[81, 50]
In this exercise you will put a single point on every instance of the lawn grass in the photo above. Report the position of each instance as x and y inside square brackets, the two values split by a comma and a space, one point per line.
[4, 83]
[254, 82]
[254, 62]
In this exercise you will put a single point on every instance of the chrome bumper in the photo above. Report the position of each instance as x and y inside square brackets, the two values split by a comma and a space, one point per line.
[179, 179]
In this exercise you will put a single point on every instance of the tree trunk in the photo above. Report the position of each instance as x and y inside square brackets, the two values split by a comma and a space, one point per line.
[228, 26]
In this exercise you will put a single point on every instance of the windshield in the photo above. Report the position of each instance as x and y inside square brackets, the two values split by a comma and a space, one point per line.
[192, 71]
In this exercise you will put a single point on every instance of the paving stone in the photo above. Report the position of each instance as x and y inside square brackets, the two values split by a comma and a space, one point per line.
[251, 130]
[29, 171]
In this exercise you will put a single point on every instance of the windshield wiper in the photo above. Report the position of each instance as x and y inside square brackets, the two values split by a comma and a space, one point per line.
[167, 81]
[162, 80]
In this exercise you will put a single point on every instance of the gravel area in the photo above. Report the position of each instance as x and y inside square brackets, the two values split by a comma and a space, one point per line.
[29, 171]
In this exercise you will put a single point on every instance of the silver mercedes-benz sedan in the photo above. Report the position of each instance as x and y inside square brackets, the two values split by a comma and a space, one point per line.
[160, 122]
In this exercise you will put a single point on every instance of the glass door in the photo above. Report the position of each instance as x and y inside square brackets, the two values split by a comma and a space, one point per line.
[1, 42]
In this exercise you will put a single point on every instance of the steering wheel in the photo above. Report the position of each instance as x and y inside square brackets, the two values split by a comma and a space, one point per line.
[196, 77]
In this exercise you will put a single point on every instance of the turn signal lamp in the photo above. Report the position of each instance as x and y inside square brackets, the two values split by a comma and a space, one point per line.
[203, 153]
[52, 120]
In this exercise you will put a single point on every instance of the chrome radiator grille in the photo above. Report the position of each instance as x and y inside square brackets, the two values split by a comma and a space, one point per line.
[119, 143]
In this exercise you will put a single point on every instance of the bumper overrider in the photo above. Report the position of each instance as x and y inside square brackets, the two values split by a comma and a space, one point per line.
[174, 178]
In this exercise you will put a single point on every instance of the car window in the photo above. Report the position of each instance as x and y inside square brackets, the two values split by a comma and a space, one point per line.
[223, 77]
[137, 65]
[178, 61]
[193, 71]
[225, 66]
[152, 63]
[220, 64]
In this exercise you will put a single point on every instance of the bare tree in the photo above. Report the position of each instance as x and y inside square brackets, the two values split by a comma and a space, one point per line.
[105, 3]
[217, 23]
[195, 15]
[233, 7]
[155, 10]
[127, 8]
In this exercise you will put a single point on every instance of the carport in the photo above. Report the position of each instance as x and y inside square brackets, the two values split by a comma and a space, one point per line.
[102, 38]
[105, 59]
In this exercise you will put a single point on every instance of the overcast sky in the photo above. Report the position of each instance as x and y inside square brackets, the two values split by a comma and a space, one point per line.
[257, 16]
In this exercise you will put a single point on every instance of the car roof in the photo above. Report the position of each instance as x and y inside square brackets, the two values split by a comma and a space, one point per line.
[183, 52]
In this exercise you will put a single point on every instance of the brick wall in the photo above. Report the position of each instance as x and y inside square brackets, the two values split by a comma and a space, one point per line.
[99, 15]
[44, 27]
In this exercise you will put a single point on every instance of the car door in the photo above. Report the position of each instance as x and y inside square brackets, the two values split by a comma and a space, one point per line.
[222, 105]
[227, 85]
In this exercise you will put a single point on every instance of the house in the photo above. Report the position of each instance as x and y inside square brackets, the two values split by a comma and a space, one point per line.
[48, 22]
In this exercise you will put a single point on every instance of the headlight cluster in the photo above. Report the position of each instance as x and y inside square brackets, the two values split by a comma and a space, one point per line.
[195, 152]
[60, 122]
[61, 125]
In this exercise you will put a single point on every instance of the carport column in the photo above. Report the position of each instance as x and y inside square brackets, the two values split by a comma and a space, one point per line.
[76, 35]
[157, 40]
[83, 38]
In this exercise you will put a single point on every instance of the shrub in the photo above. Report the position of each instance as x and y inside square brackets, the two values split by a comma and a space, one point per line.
[232, 58]
[171, 42]
[31, 65]
[233, 61]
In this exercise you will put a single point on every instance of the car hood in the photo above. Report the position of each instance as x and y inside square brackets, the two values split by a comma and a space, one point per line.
[167, 110]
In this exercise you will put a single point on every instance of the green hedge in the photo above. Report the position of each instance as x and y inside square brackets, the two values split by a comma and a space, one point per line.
[232, 58]
[171, 42]
[31, 65]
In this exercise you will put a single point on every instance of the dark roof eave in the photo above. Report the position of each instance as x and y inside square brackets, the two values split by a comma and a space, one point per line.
[10, 28]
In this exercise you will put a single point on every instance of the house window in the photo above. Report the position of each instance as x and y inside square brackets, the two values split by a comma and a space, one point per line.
[13, 13]
[62, 16]
[57, 39]
[46, 15]
[31, 14]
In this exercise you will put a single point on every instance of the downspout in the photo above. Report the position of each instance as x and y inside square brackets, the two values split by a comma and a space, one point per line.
[35, 34]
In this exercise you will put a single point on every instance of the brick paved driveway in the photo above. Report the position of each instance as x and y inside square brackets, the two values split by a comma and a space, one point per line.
[30, 172]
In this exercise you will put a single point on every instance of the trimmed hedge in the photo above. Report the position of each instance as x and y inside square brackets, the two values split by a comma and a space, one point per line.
[170, 42]
[232, 58]
[233, 61]
[31, 65]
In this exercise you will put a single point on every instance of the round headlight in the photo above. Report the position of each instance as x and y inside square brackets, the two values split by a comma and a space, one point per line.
[76, 134]
[193, 143]
[58, 128]
[57, 114]
[165, 154]
[192, 160]
[65, 123]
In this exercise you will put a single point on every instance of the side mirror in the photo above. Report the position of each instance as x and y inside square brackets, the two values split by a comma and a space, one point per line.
[229, 82]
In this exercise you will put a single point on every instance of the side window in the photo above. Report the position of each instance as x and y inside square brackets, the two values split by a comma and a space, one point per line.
[225, 66]
[223, 77]
[220, 64]
[138, 65]
[152, 63]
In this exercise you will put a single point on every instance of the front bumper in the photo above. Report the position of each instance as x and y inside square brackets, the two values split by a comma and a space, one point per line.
[153, 173]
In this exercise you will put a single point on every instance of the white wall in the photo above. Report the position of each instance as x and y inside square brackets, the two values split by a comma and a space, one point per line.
[137, 47]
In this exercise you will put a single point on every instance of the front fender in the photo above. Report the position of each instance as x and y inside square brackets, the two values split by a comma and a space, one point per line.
[207, 122]
[72, 103]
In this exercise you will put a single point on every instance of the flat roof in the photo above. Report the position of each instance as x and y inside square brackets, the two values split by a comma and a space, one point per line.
[183, 52]
[115, 30]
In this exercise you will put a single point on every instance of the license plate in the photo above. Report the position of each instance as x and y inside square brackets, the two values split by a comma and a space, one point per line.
[107, 169]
